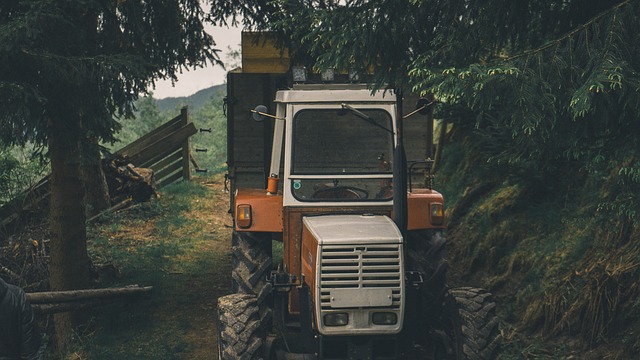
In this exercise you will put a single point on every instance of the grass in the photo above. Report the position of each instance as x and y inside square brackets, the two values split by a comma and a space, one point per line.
[177, 243]
[563, 274]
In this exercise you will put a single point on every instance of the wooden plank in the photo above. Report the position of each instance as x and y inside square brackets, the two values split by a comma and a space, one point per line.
[256, 44]
[248, 135]
[164, 146]
[168, 170]
[169, 180]
[275, 65]
[159, 157]
[157, 166]
[152, 136]
[186, 155]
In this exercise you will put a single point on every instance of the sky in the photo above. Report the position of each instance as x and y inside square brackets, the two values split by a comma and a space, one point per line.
[194, 80]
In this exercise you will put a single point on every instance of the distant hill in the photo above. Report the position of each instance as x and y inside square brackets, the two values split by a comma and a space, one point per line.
[195, 101]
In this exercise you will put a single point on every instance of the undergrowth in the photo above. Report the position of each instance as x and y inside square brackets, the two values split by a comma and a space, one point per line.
[168, 243]
[560, 265]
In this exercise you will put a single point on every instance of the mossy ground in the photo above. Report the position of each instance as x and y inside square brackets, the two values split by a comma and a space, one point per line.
[177, 243]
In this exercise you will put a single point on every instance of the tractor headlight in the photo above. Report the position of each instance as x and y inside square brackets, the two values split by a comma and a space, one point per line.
[385, 318]
[336, 319]
[299, 73]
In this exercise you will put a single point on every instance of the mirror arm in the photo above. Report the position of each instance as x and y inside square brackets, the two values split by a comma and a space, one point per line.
[267, 115]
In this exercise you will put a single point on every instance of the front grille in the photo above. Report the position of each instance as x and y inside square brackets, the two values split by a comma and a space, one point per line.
[354, 267]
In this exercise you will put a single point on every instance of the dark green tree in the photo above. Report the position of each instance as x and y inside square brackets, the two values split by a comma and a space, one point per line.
[549, 103]
[149, 116]
[69, 68]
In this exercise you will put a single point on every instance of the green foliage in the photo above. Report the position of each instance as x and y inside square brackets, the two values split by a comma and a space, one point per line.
[572, 102]
[20, 168]
[8, 165]
[211, 116]
[147, 118]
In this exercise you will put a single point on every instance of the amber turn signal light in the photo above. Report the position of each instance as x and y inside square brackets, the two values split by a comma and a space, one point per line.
[243, 216]
[437, 213]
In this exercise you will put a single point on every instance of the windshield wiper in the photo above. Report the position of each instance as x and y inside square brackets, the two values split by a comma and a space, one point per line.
[364, 116]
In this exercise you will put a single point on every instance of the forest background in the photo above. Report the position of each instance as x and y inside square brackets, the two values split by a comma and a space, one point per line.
[540, 169]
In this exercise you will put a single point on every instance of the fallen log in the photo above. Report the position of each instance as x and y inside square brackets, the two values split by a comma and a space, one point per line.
[70, 306]
[53, 297]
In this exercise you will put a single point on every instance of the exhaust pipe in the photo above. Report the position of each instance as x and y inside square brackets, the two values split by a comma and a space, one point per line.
[400, 212]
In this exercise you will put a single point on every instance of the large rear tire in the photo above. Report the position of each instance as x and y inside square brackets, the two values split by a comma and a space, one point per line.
[251, 266]
[240, 333]
[471, 323]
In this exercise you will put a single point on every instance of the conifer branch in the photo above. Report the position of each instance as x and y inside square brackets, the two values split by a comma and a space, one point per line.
[571, 33]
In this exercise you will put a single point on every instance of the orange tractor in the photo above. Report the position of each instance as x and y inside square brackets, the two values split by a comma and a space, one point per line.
[361, 272]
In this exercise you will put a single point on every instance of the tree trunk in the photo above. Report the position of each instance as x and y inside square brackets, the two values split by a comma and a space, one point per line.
[95, 184]
[70, 265]
[438, 157]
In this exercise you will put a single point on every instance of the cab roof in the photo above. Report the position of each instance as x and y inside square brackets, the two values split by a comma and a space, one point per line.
[333, 93]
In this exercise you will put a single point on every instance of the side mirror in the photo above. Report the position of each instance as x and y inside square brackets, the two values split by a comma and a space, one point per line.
[259, 113]
[423, 105]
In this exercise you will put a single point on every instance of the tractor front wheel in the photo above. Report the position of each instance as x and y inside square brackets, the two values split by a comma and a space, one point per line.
[240, 333]
[251, 267]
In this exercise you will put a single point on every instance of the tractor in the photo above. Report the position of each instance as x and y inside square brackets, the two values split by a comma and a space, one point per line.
[358, 270]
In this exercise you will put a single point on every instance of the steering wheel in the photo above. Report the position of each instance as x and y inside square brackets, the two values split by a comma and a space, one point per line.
[340, 192]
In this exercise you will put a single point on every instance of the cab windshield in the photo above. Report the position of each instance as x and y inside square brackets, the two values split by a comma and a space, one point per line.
[350, 152]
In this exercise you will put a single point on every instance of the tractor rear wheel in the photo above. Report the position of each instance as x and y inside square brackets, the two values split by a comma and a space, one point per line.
[240, 333]
[251, 264]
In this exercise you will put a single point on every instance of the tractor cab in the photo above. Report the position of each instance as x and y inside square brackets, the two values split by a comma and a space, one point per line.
[338, 143]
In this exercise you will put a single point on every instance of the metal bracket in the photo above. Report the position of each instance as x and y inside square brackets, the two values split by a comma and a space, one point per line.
[414, 278]
[283, 281]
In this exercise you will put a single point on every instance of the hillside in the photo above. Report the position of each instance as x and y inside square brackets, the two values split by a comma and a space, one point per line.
[563, 267]
[195, 101]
